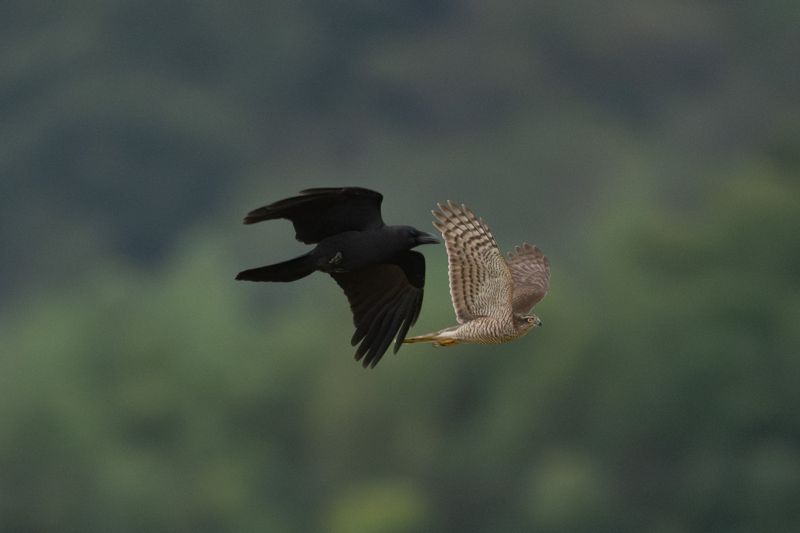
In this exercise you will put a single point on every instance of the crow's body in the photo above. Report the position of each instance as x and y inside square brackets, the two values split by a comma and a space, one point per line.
[381, 276]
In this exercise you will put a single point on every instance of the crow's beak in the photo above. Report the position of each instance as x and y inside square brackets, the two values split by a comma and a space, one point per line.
[426, 238]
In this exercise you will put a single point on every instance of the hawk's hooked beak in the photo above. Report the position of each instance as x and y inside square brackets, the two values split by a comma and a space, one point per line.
[426, 238]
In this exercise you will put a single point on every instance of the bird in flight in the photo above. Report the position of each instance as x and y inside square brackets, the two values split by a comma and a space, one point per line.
[382, 277]
[492, 295]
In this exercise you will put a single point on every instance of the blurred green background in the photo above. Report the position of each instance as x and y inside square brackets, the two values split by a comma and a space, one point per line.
[651, 149]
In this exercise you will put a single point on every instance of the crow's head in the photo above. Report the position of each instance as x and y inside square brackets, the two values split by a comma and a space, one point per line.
[415, 237]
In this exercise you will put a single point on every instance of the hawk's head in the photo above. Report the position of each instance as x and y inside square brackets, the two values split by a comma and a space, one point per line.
[527, 322]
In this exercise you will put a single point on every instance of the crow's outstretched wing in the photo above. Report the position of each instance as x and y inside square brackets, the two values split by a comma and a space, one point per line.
[322, 212]
[385, 300]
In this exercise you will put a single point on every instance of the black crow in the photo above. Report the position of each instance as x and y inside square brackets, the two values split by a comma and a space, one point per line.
[373, 263]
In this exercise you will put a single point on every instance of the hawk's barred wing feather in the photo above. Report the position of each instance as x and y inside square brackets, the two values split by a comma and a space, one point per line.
[480, 281]
[531, 272]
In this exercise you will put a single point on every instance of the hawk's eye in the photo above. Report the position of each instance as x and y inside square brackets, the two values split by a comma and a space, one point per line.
[530, 320]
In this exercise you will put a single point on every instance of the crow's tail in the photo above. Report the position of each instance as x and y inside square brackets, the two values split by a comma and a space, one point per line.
[290, 270]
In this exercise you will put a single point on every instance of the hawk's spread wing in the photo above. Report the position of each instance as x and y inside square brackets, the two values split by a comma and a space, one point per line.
[531, 272]
[385, 300]
[480, 281]
[325, 211]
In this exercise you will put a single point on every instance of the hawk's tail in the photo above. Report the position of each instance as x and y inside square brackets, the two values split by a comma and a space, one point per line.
[435, 338]
[290, 270]
[421, 338]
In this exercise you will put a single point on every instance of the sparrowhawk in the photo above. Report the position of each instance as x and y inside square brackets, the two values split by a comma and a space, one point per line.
[492, 295]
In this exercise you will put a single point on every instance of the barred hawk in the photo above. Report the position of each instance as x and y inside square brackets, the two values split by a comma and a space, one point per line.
[492, 295]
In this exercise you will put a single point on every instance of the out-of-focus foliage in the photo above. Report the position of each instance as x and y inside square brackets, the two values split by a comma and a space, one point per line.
[649, 149]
